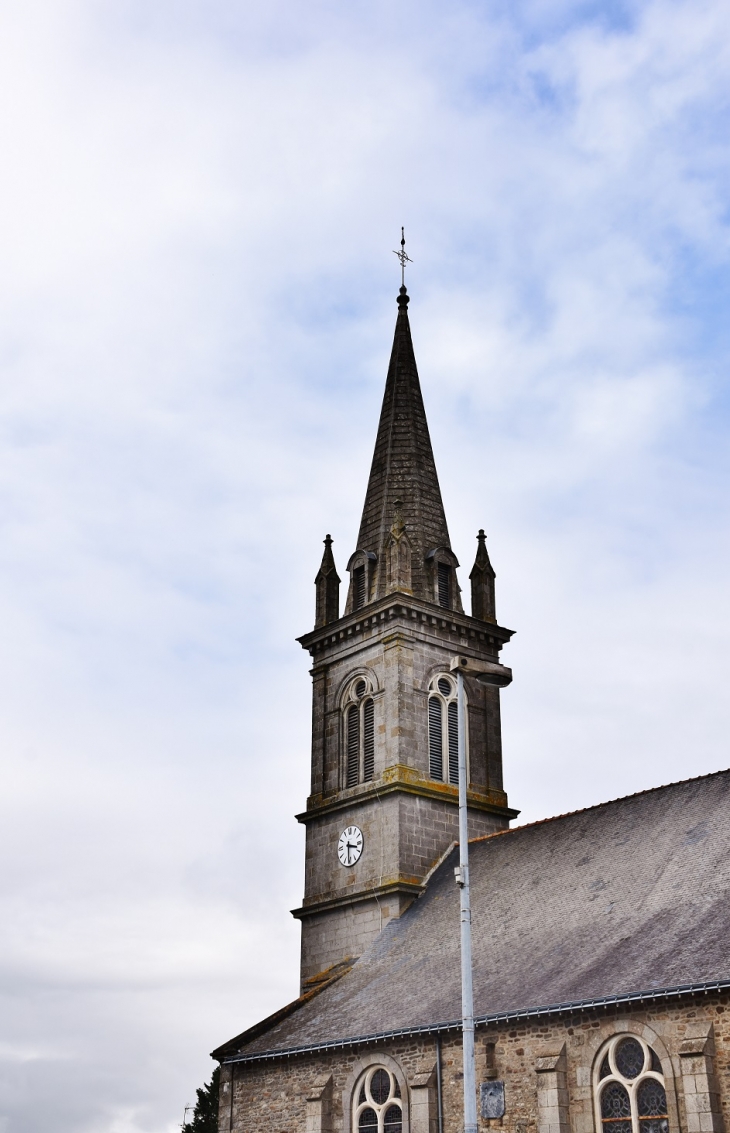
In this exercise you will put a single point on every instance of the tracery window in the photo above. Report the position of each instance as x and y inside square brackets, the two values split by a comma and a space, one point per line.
[629, 1088]
[377, 1103]
[443, 730]
[359, 734]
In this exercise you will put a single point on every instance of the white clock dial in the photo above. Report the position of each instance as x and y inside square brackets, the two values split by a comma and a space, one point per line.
[349, 847]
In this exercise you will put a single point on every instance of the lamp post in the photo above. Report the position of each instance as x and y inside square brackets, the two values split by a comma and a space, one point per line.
[490, 673]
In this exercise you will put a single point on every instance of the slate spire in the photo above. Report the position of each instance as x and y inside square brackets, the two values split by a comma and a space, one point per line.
[403, 491]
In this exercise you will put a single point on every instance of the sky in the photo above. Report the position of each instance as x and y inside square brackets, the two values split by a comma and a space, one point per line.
[198, 207]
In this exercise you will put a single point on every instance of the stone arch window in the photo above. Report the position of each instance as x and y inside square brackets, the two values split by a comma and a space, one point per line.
[359, 733]
[377, 1105]
[629, 1088]
[443, 730]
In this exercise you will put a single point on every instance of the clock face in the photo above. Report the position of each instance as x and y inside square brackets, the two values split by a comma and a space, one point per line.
[349, 847]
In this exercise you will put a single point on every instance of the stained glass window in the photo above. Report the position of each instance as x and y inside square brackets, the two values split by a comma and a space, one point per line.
[615, 1104]
[378, 1108]
[629, 1058]
[393, 1119]
[380, 1086]
[651, 1101]
[630, 1092]
[368, 1119]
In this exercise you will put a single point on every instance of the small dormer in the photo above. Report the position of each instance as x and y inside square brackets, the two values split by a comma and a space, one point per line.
[362, 580]
[441, 564]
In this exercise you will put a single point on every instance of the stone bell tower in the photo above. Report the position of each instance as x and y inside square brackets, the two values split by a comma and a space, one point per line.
[383, 806]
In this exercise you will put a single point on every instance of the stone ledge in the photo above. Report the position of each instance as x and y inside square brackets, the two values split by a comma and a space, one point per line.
[408, 887]
[406, 780]
[381, 614]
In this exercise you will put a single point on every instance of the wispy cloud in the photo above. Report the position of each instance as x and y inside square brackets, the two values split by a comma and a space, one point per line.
[198, 208]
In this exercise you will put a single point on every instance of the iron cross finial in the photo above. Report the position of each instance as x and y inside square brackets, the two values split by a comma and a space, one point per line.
[403, 257]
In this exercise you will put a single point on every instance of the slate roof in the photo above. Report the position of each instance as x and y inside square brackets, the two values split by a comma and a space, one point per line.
[622, 898]
[403, 466]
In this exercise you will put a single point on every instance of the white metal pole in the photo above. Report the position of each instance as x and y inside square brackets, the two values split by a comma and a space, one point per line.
[467, 991]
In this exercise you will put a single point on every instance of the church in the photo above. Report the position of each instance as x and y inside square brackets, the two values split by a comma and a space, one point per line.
[601, 938]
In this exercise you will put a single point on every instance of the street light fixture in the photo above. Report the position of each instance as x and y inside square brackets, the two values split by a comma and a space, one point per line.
[498, 676]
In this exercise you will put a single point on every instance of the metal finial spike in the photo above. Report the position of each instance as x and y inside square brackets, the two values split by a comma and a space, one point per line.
[403, 256]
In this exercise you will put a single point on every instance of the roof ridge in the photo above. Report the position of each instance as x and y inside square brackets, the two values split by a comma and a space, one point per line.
[597, 806]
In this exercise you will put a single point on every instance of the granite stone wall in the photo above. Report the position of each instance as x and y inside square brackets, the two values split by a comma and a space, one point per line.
[408, 820]
[547, 1067]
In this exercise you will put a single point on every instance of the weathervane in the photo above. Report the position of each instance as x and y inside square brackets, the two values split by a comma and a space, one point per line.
[404, 259]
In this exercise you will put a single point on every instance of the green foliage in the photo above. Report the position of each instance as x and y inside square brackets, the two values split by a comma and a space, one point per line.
[205, 1114]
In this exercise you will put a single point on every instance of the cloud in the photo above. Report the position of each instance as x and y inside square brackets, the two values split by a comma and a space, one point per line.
[199, 205]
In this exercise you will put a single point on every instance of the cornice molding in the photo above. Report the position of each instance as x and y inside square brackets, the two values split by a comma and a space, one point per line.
[410, 887]
[405, 610]
[406, 780]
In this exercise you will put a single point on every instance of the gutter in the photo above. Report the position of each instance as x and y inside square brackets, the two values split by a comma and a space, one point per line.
[527, 1013]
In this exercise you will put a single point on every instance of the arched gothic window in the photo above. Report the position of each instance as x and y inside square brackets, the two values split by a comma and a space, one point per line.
[629, 1088]
[443, 730]
[377, 1103]
[359, 713]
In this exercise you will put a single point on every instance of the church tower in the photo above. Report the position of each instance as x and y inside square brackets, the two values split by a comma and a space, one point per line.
[383, 806]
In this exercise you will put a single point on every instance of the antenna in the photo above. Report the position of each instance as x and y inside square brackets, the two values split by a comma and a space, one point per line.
[403, 257]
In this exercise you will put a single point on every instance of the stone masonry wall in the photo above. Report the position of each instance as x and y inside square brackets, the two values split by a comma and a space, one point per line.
[692, 1040]
[404, 830]
[401, 659]
[408, 827]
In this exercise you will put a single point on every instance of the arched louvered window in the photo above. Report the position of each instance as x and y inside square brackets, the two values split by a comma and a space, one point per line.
[453, 740]
[368, 740]
[359, 734]
[377, 1103]
[358, 580]
[443, 730]
[629, 1088]
[435, 738]
[353, 745]
[444, 585]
